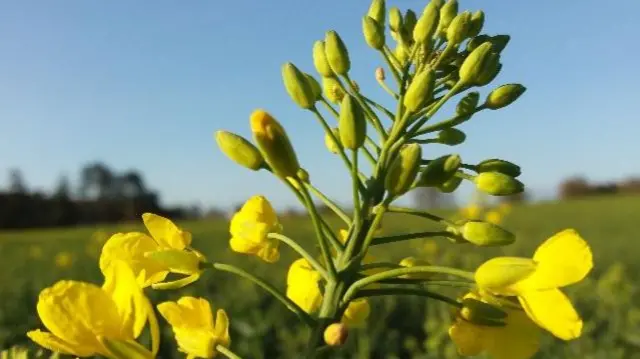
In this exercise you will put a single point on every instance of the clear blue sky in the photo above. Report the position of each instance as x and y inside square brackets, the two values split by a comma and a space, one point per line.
[144, 84]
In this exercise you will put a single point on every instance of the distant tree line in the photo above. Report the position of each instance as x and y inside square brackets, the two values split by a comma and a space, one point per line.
[579, 187]
[101, 196]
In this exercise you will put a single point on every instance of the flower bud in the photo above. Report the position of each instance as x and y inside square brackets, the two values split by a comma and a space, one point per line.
[337, 54]
[480, 63]
[412, 262]
[298, 86]
[451, 136]
[352, 124]
[274, 144]
[498, 184]
[450, 185]
[401, 53]
[373, 33]
[427, 24]
[499, 42]
[380, 76]
[332, 89]
[395, 19]
[481, 313]
[377, 11]
[492, 71]
[498, 165]
[504, 96]
[303, 175]
[448, 12]
[458, 30]
[486, 234]
[332, 146]
[239, 150]
[315, 87]
[403, 169]
[177, 261]
[336, 334]
[420, 90]
[320, 59]
[410, 20]
[439, 170]
[477, 22]
[477, 41]
[468, 104]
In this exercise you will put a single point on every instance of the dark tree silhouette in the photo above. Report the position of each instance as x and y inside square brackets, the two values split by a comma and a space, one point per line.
[16, 182]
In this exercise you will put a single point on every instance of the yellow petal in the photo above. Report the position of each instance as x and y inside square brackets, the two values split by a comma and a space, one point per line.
[259, 209]
[468, 338]
[221, 331]
[553, 311]
[55, 344]
[269, 252]
[519, 339]
[306, 295]
[356, 313]
[196, 342]
[188, 312]
[165, 232]
[177, 284]
[126, 293]
[498, 274]
[563, 259]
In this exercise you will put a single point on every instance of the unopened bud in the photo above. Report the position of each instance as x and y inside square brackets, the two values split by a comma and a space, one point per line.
[468, 104]
[451, 136]
[337, 54]
[498, 165]
[401, 53]
[477, 22]
[498, 184]
[403, 169]
[476, 41]
[177, 261]
[481, 313]
[427, 24]
[239, 150]
[395, 19]
[352, 124]
[380, 76]
[297, 86]
[410, 20]
[409, 262]
[448, 12]
[377, 11]
[336, 334]
[450, 185]
[274, 144]
[492, 71]
[420, 90]
[315, 87]
[303, 175]
[499, 42]
[332, 146]
[480, 63]
[320, 59]
[486, 234]
[439, 170]
[332, 89]
[504, 96]
[458, 30]
[373, 33]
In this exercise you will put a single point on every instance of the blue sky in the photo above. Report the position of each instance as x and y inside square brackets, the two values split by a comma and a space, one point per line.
[145, 84]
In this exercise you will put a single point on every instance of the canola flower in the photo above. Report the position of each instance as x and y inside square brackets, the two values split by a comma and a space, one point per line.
[251, 226]
[63, 259]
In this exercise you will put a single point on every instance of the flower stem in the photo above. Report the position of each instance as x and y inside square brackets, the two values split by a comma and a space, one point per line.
[375, 121]
[416, 127]
[226, 352]
[332, 205]
[296, 247]
[407, 291]
[423, 214]
[335, 114]
[403, 237]
[306, 318]
[317, 226]
[389, 58]
[356, 191]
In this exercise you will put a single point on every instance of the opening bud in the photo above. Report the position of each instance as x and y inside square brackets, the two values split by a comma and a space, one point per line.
[320, 59]
[486, 234]
[458, 30]
[481, 313]
[239, 150]
[395, 20]
[481, 64]
[477, 22]
[352, 124]
[448, 12]
[373, 33]
[468, 104]
[498, 184]
[420, 91]
[377, 11]
[427, 24]
[274, 144]
[504, 96]
[332, 146]
[498, 165]
[450, 185]
[336, 334]
[403, 169]
[451, 136]
[332, 89]
[337, 54]
[439, 170]
[297, 86]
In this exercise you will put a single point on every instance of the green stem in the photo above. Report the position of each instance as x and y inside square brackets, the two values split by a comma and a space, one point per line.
[386, 88]
[369, 156]
[337, 116]
[226, 352]
[306, 318]
[436, 107]
[381, 209]
[316, 219]
[407, 291]
[332, 205]
[380, 107]
[301, 251]
[375, 121]
[408, 236]
[465, 176]
[389, 58]
[444, 54]
[356, 192]
[453, 121]
[423, 214]
[335, 242]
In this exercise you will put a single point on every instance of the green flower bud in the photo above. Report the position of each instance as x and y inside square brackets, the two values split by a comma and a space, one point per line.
[499, 42]
[477, 22]
[320, 59]
[504, 96]
[458, 30]
[403, 169]
[352, 124]
[486, 234]
[498, 165]
[239, 150]
[481, 313]
[395, 19]
[274, 144]
[298, 86]
[401, 53]
[427, 24]
[377, 11]
[439, 170]
[450, 185]
[477, 41]
[420, 90]
[331, 145]
[478, 64]
[332, 90]
[498, 184]
[468, 104]
[448, 12]
[451, 136]
[373, 33]
[337, 54]
[303, 175]
[315, 87]
[410, 20]
[492, 71]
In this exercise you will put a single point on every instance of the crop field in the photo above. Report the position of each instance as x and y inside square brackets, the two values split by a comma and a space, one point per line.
[408, 327]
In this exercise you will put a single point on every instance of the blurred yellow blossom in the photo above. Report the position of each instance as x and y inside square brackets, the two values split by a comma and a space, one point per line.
[505, 208]
[430, 248]
[63, 259]
[250, 228]
[35, 251]
[194, 327]
[472, 211]
[356, 313]
[494, 217]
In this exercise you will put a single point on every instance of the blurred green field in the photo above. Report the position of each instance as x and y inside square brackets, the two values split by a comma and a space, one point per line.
[608, 300]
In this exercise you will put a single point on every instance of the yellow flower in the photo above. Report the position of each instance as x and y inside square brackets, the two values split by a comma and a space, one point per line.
[140, 251]
[35, 251]
[303, 285]
[494, 217]
[505, 208]
[430, 248]
[519, 338]
[471, 212]
[561, 260]
[356, 313]
[250, 228]
[82, 317]
[63, 260]
[193, 325]
[368, 259]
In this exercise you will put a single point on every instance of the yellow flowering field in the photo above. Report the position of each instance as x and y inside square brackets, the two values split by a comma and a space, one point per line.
[397, 327]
